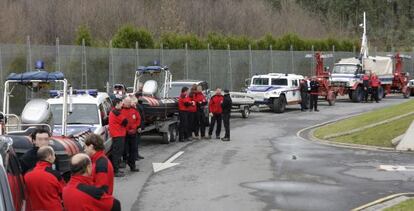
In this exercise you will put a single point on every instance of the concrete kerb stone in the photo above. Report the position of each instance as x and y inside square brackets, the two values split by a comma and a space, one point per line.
[381, 201]
[309, 131]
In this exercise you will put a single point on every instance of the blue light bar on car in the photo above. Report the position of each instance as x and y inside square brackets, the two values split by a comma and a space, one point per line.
[91, 92]
[55, 93]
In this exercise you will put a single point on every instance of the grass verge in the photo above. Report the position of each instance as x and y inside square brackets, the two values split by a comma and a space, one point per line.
[406, 205]
[376, 136]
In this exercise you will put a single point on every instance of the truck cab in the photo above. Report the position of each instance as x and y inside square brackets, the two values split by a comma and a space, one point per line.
[277, 90]
[88, 110]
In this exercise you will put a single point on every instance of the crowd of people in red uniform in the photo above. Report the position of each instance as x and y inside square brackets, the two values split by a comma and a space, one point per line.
[371, 84]
[91, 183]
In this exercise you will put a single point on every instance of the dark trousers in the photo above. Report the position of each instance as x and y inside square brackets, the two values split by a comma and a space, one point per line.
[305, 100]
[131, 150]
[216, 118]
[366, 92]
[117, 149]
[314, 102]
[226, 122]
[200, 123]
[184, 125]
[191, 122]
[374, 94]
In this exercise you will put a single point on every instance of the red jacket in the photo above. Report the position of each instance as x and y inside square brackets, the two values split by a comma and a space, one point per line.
[44, 187]
[192, 108]
[102, 172]
[375, 82]
[214, 105]
[134, 120]
[199, 99]
[81, 195]
[184, 103]
[117, 123]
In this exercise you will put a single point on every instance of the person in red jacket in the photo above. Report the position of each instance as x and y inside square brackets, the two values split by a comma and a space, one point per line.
[184, 102]
[102, 170]
[215, 110]
[375, 83]
[117, 129]
[44, 184]
[80, 193]
[200, 118]
[192, 111]
[134, 121]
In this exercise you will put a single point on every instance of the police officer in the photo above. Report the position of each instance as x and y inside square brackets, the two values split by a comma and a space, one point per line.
[80, 193]
[314, 93]
[226, 111]
[40, 137]
[102, 169]
[184, 103]
[304, 94]
[117, 130]
[44, 184]
[215, 110]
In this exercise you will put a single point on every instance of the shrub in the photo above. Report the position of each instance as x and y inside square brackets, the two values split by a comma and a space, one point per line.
[83, 33]
[128, 35]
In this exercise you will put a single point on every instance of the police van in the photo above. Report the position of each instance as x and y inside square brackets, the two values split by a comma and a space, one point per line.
[276, 90]
[87, 110]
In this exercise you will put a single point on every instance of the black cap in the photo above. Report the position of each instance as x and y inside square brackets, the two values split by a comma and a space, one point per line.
[226, 91]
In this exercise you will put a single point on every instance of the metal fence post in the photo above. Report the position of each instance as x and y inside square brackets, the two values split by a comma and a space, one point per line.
[375, 51]
[354, 50]
[136, 54]
[412, 61]
[292, 65]
[111, 65]
[161, 54]
[28, 64]
[84, 81]
[250, 62]
[271, 58]
[57, 54]
[230, 71]
[333, 55]
[312, 60]
[186, 61]
[209, 64]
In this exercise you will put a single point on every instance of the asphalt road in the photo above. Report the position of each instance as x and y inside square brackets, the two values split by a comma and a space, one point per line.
[266, 167]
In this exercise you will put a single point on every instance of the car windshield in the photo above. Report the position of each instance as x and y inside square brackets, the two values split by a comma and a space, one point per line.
[81, 114]
[344, 69]
[175, 89]
[260, 81]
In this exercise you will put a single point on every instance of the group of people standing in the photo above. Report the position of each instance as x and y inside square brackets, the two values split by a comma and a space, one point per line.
[90, 186]
[192, 114]
[309, 93]
[370, 83]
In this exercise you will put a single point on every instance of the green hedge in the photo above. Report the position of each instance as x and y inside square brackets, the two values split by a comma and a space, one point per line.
[127, 35]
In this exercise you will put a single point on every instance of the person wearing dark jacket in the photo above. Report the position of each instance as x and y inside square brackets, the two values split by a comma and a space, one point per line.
[80, 194]
[184, 104]
[102, 169]
[215, 110]
[117, 130]
[314, 94]
[40, 137]
[199, 123]
[304, 94]
[44, 184]
[226, 111]
[192, 111]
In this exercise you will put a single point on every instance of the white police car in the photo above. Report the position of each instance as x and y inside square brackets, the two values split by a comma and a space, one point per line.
[87, 110]
[277, 90]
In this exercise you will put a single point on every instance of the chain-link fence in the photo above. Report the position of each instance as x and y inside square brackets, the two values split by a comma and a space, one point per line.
[89, 67]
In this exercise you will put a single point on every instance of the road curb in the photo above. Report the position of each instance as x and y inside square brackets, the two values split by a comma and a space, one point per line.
[382, 200]
[307, 134]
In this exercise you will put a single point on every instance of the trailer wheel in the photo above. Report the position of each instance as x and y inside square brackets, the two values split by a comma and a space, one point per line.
[245, 112]
[357, 94]
[173, 130]
[381, 93]
[166, 137]
[279, 104]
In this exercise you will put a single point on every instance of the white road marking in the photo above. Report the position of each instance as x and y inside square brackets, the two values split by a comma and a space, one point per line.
[396, 168]
[167, 164]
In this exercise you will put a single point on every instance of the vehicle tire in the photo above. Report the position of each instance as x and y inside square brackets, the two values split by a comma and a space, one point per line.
[381, 93]
[173, 130]
[245, 112]
[166, 137]
[279, 104]
[332, 101]
[357, 94]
